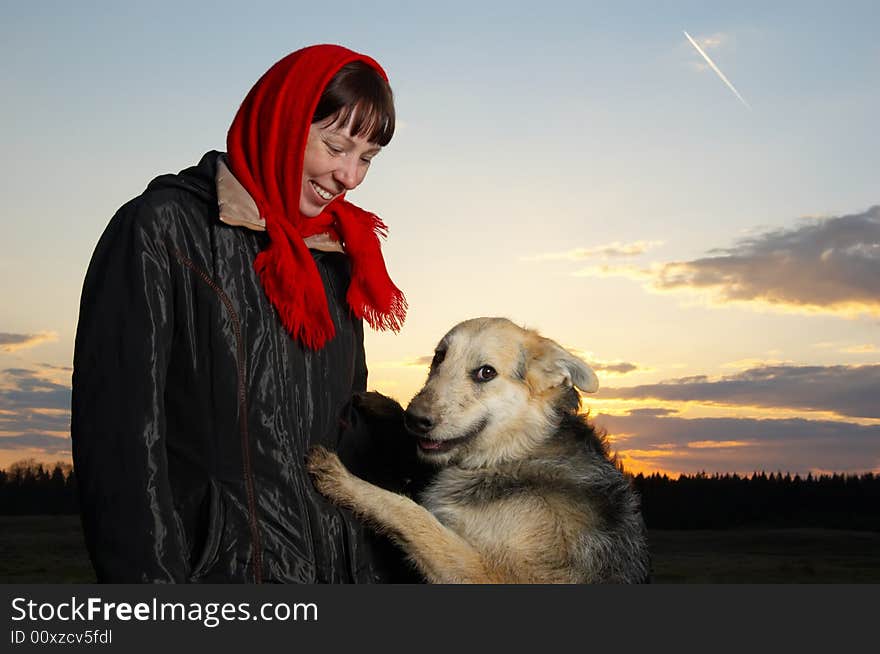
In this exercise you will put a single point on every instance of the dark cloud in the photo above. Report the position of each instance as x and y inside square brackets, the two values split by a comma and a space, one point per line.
[45, 442]
[620, 368]
[26, 389]
[49, 366]
[830, 263]
[31, 408]
[744, 445]
[13, 342]
[660, 430]
[29, 420]
[14, 339]
[847, 390]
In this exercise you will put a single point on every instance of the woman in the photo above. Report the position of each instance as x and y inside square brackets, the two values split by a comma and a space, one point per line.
[220, 336]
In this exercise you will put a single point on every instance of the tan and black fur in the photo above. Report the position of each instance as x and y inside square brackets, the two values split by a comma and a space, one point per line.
[526, 491]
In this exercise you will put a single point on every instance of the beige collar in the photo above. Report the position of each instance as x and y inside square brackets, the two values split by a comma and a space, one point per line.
[237, 208]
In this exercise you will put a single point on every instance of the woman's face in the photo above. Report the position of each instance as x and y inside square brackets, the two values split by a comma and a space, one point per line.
[335, 161]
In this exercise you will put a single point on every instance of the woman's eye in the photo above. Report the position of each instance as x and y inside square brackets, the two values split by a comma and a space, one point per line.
[485, 373]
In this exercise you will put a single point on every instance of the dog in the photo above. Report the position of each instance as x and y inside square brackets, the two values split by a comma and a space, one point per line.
[525, 489]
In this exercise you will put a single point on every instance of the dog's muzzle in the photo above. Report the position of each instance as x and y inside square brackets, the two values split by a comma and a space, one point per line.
[417, 423]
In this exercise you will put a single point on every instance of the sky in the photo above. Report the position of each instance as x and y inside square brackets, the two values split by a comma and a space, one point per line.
[579, 168]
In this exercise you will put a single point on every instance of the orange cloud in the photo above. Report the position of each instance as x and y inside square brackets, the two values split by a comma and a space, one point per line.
[607, 251]
[705, 445]
[860, 349]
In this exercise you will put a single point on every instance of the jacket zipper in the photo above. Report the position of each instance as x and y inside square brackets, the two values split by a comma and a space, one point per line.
[257, 554]
[299, 454]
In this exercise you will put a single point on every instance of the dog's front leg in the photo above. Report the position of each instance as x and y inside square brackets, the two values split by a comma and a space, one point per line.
[443, 556]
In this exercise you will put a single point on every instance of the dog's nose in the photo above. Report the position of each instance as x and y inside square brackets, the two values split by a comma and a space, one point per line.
[419, 424]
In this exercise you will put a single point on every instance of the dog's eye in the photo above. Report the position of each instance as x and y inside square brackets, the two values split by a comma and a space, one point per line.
[439, 355]
[484, 373]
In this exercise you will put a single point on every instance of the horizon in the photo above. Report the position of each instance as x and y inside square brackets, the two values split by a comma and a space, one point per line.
[686, 198]
[66, 467]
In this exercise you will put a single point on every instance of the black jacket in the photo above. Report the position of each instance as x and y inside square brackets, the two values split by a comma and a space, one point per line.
[193, 409]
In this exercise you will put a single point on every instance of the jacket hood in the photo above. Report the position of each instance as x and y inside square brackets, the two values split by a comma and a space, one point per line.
[200, 180]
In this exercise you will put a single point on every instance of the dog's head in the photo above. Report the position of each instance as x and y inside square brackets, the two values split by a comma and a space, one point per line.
[494, 392]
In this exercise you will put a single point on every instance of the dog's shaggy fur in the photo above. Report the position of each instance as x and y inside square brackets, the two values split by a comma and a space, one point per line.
[526, 491]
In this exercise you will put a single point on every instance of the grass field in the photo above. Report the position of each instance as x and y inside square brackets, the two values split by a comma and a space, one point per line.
[49, 549]
[772, 556]
[43, 549]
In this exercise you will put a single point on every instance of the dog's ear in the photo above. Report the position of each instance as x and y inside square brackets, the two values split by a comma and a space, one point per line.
[552, 365]
[576, 372]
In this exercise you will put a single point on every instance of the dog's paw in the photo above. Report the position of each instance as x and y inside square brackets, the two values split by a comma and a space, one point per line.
[328, 474]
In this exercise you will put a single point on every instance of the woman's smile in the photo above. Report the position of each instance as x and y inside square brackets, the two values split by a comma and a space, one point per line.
[322, 192]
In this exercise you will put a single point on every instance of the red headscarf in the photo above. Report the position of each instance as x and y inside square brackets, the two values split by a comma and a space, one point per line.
[266, 144]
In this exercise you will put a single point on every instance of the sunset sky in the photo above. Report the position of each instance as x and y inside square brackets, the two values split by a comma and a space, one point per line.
[577, 167]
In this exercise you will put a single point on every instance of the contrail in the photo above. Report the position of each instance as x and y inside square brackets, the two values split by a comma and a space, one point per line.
[715, 68]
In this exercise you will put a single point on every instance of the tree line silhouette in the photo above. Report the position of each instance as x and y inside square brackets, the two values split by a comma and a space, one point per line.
[702, 501]
[699, 501]
[29, 488]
